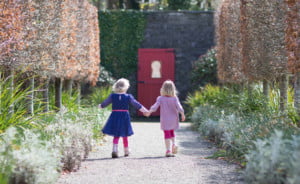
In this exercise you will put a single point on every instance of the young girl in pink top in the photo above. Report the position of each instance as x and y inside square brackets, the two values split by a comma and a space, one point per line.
[170, 107]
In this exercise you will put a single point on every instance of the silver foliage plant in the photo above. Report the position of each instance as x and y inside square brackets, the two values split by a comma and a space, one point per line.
[274, 160]
[270, 157]
[28, 159]
[37, 157]
[268, 162]
[74, 140]
[294, 161]
[73, 136]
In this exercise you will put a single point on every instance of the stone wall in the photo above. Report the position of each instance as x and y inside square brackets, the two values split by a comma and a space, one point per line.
[190, 33]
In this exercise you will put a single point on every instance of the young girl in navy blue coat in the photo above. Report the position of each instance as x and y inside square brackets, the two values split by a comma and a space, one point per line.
[119, 124]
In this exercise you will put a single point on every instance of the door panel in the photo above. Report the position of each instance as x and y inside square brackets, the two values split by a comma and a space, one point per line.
[154, 67]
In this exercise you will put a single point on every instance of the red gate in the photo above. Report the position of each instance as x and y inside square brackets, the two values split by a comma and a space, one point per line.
[154, 67]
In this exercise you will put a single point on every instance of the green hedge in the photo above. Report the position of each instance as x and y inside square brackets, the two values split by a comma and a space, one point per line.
[121, 33]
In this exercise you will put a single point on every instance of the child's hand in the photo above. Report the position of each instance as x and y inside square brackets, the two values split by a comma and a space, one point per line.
[99, 106]
[147, 114]
[182, 117]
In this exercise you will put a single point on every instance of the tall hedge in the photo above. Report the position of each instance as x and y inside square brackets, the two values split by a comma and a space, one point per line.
[11, 29]
[293, 35]
[52, 38]
[263, 38]
[228, 33]
[121, 35]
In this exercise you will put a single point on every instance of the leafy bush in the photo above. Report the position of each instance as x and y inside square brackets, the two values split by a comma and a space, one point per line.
[205, 69]
[228, 98]
[25, 158]
[36, 156]
[267, 163]
[294, 161]
[274, 160]
[105, 77]
[72, 134]
[70, 102]
[13, 108]
[209, 94]
[97, 96]
[204, 113]
[236, 131]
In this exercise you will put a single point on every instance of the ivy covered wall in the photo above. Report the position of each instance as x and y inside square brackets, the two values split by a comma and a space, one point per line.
[120, 38]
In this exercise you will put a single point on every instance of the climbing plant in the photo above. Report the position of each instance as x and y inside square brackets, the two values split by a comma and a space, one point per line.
[121, 35]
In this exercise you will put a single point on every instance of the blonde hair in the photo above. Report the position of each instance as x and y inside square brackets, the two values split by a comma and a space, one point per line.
[121, 86]
[168, 89]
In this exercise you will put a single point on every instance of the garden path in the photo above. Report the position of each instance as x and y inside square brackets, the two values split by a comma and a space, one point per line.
[148, 165]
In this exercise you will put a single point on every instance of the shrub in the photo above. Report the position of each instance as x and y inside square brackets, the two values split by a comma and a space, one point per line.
[73, 140]
[267, 163]
[205, 69]
[105, 77]
[98, 95]
[13, 108]
[204, 113]
[36, 156]
[231, 99]
[294, 161]
[72, 134]
[274, 160]
[25, 158]
[236, 131]
[212, 95]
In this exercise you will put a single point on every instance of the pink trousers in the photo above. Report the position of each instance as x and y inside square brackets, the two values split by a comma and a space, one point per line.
[125, 141]
[169, 134]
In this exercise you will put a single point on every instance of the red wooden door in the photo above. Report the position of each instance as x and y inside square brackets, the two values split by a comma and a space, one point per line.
[154, 67]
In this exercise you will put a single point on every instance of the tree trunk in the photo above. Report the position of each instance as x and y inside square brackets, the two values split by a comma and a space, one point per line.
[203, 5]
[30, 96]
[266, 89]
[58, 93]
[45, 99]
[98, 4]
[112, 4]
[297, 92]
[78, 86]
[283, 87]
[12, 85]
[121, 4]
[68, 85]
[2, 78]
[134, 5]
[249, 90]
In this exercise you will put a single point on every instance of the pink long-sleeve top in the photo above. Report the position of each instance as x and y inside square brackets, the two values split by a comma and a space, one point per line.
[169, 109]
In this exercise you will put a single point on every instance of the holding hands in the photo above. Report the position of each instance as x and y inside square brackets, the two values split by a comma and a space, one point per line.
[147, 114]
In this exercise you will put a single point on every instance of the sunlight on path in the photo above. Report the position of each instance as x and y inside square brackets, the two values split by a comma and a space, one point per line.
[148, 165]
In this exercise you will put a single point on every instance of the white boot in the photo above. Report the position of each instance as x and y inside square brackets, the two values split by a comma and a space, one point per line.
[126, 152]
[115, 151]
[168, 148]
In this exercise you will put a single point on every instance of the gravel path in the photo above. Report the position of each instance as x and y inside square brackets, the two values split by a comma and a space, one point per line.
[148, 165]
